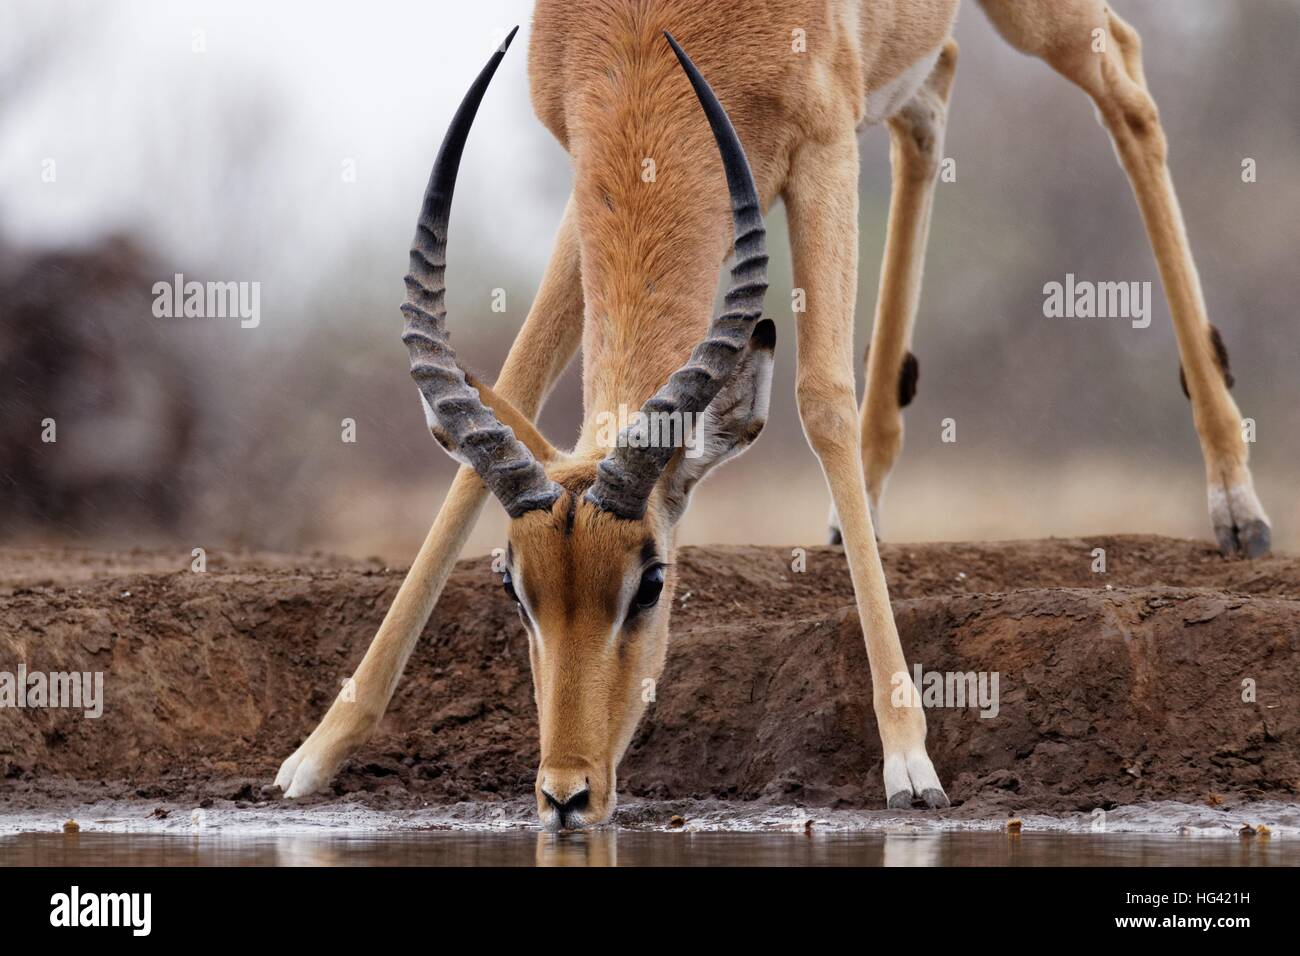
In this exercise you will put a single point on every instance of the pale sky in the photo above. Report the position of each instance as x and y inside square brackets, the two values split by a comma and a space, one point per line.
[233, 158]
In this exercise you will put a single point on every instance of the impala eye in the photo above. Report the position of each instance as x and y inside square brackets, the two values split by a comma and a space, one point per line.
[508, 585]
[652, 583]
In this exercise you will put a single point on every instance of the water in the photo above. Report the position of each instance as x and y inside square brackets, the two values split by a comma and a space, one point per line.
[639, 848]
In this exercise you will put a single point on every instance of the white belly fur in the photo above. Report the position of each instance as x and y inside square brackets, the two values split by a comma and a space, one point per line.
[893, 96]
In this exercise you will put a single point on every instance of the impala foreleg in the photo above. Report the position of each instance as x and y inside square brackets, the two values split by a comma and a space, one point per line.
[822, 202]
[545, 344]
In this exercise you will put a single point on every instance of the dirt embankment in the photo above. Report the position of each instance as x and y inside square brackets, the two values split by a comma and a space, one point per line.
[1114, 688]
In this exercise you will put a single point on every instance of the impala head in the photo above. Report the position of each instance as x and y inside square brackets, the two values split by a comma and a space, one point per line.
[589, 561]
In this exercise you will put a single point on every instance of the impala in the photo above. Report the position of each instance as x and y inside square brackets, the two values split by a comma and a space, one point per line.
[631, 280]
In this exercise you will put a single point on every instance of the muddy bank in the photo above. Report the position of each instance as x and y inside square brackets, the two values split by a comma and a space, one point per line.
[1115, 689]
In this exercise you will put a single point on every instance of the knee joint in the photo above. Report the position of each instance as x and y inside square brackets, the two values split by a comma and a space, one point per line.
[828, 413]
[1140, 115]
[1134, 123]
[918, 135]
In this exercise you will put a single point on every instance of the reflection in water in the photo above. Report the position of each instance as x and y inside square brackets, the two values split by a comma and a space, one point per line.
[911, 849]
[293, 850]
[589, 848]
[636, 848]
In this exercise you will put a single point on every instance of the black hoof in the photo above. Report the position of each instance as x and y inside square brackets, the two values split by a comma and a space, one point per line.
[835, 537]
[935, 799]
[901, 800]
[1254, 539]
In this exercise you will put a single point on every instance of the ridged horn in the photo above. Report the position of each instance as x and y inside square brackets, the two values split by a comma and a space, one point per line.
[457, 416]
[627, 475]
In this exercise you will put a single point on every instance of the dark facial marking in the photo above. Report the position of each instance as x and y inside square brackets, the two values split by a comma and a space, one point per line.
[571, 516]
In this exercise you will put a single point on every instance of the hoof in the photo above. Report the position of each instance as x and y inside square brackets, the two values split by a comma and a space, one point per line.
[1240, 525]
[835, 538]
[910, 774]
[935, 799]
[901, 800]
[1253, 539]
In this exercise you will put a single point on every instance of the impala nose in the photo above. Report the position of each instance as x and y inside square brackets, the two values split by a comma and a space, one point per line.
[567, 804]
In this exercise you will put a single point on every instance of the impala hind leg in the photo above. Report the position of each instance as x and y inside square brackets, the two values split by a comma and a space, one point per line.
[916, 150]
[545, 344]
[1066, 34]
[821, 198]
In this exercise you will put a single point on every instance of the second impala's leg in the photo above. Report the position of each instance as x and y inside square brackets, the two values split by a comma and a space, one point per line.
[821, 197]
[546, 343]
[1065, 33]
[916, 149]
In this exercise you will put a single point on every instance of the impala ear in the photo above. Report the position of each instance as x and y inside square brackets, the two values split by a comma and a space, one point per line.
[728, 426]
[525, 431]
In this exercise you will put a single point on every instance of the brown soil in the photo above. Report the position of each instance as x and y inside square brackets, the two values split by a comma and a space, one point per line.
[1116, 688]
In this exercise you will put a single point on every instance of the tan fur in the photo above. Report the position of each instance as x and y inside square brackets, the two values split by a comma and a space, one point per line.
[588, 671]
[1063, 34]
[605, 83]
